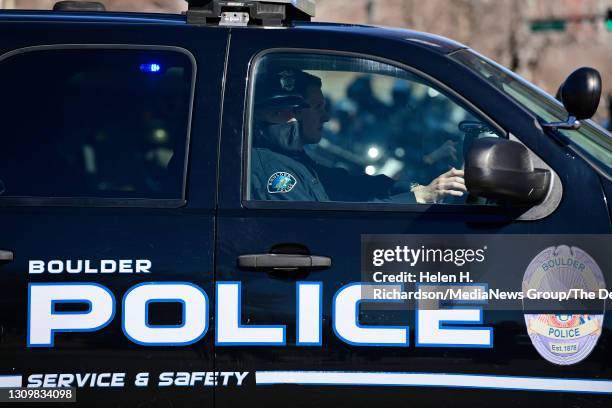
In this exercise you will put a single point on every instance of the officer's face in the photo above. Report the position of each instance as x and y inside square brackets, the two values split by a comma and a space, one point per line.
[314, 117]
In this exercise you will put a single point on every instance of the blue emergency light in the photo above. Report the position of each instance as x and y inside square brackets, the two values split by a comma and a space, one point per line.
[151, 68]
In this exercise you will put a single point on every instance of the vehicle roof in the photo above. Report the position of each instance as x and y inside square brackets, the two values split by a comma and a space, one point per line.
[89, 17]
[435, 42]
[431, 41]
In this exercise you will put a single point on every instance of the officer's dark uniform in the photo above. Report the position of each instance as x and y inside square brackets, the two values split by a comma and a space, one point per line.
[309, 181]
[270, 161]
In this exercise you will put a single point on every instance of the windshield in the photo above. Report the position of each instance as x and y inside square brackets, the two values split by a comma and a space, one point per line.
[591, 139]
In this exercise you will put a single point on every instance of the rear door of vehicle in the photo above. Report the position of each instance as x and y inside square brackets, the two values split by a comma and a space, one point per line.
[108, 180]
[333, 372]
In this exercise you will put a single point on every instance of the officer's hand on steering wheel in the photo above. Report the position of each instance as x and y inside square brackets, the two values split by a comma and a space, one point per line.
[450, 183]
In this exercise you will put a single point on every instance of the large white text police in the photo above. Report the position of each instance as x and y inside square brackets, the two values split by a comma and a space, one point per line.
[435, 327]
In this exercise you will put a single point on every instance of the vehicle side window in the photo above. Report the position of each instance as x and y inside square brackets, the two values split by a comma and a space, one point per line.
[346, 129]
[94, 123]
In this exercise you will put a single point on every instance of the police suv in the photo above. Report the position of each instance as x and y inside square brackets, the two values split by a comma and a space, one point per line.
[237, 207]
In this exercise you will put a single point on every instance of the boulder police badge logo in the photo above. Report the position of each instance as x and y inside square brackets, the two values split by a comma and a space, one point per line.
[281, 182]
[561, 338]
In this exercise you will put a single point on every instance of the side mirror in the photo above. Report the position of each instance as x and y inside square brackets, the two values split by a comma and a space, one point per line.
[503, 169]
[580, 94]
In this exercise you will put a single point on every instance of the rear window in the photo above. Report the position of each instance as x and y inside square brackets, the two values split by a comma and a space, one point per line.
[94, 123]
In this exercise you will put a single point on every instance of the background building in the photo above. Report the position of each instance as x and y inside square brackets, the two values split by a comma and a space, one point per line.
[543, 40]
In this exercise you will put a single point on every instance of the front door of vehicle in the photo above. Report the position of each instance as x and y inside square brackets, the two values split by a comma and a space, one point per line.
[105, 248]
[276, 199]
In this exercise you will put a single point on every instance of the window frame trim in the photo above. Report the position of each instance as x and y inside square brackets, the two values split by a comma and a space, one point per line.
[354, 206]
[40, 201]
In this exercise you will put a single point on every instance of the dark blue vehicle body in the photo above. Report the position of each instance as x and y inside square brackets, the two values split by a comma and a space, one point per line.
[200, 239]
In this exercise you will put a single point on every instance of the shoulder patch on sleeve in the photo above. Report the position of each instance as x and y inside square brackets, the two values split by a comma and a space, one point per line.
[281, 182]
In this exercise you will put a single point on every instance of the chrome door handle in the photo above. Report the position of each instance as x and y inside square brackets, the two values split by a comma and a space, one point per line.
[283, 262]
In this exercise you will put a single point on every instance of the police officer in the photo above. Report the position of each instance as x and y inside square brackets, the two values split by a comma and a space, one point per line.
[279, 152]
[279, 169]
